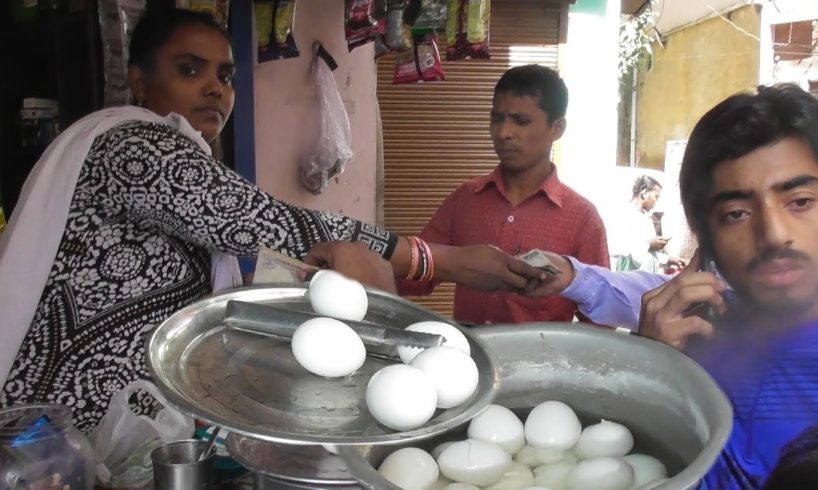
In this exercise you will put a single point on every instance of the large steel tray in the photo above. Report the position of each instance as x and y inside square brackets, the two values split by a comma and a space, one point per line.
[252, 385]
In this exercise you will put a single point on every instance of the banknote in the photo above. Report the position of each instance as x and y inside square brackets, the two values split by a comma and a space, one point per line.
[273, 266]
[537, 258]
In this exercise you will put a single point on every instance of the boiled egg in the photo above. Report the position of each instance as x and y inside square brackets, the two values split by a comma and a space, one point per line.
[552, 425]
[652, 484]
[333, 294]
[401, 397]
[535, 456]
[476, 462]
[600, 474]
[645, 468]
[454, 338]
[499, 425]
[410, 468]
[514, 477]
[452, 371]
[553, 475]
[328, 347]
[604, 439]
[461, 486]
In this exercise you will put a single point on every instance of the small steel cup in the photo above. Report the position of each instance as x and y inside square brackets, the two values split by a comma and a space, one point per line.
[176, 466]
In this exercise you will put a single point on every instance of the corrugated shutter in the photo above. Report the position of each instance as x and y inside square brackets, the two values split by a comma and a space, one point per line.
[435, 135]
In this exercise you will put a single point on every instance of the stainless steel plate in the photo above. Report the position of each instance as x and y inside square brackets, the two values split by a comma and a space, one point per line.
[311, 464]
[252, 385]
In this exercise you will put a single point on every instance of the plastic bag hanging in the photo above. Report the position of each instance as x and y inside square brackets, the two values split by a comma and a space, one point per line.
[331, 149]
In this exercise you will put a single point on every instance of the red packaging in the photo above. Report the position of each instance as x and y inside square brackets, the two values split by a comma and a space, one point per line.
[406, 70]
[427, 58]
[359, 25]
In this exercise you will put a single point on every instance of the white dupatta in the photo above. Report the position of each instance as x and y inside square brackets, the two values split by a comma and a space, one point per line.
[32, 236]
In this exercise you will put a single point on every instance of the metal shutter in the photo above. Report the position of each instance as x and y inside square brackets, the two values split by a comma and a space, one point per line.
[435, 135]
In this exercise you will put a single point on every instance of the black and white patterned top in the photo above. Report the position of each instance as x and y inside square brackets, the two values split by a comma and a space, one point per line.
[148, 209]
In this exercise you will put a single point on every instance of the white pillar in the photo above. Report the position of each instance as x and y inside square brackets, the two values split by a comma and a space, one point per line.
[591, 74]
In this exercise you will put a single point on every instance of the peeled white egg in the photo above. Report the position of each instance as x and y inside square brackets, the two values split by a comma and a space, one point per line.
[600, 474]
[553, 475]
[552, 425]
[441, 483]
[645, 468]
[516, 476]
[454, 338]
[410, 468]
[651, 484]
[480, 463]
[461, 486]
[328, 347]
[333, 294]
[604, 439]
[535, 456]
[499, 425]
[401, 397]
[536, 488]
[440, 448]
[452, 371]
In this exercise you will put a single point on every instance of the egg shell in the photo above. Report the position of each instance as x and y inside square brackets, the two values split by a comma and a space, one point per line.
[410, 468]
[499, 425]
[516, 476]
[604, 439]
[328, 347]
[604, 473]
[552, 425]
[333, 294]
[553, 475]
[480, 463]
[401, 397]
[645, 468]
[453, 372]
[454, 338]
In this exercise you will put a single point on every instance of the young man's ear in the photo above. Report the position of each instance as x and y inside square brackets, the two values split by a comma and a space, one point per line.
[558, 128]
[136, 82]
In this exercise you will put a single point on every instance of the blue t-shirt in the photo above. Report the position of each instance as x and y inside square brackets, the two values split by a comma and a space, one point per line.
[772, 381]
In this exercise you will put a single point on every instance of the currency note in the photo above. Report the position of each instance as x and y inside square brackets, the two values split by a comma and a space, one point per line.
[537, 258]
[275, 267]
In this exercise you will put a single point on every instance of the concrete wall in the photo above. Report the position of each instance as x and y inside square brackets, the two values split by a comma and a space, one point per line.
[284, 120]
[699, 66]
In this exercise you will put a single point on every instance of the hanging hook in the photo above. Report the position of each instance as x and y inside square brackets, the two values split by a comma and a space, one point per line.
[319, 50]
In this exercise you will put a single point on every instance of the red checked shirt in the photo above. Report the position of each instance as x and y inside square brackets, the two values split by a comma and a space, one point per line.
[556, 218]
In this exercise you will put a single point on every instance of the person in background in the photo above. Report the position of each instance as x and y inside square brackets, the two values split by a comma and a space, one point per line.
[747, 306]
[521, 205]
[127, 218]
[634, 242]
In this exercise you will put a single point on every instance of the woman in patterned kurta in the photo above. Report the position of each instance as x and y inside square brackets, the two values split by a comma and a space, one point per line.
[146, 207]
[149, 207]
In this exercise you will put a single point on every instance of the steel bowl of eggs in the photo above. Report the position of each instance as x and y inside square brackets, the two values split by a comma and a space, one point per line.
[579, 408]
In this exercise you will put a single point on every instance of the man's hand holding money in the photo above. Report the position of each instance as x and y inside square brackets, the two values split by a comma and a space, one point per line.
[558, 269]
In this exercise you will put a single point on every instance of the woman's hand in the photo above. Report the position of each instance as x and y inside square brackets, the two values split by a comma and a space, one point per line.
[354, 260]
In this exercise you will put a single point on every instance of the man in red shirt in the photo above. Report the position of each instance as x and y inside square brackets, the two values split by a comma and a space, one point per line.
[521, 205]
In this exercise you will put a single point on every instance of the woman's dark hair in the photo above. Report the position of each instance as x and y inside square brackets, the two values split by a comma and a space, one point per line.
[797, 468]
[156, 27]
[737, 126]
[645, 183]
[536, 81]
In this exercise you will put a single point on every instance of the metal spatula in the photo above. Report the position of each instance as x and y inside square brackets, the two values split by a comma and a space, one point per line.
[281, 322]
